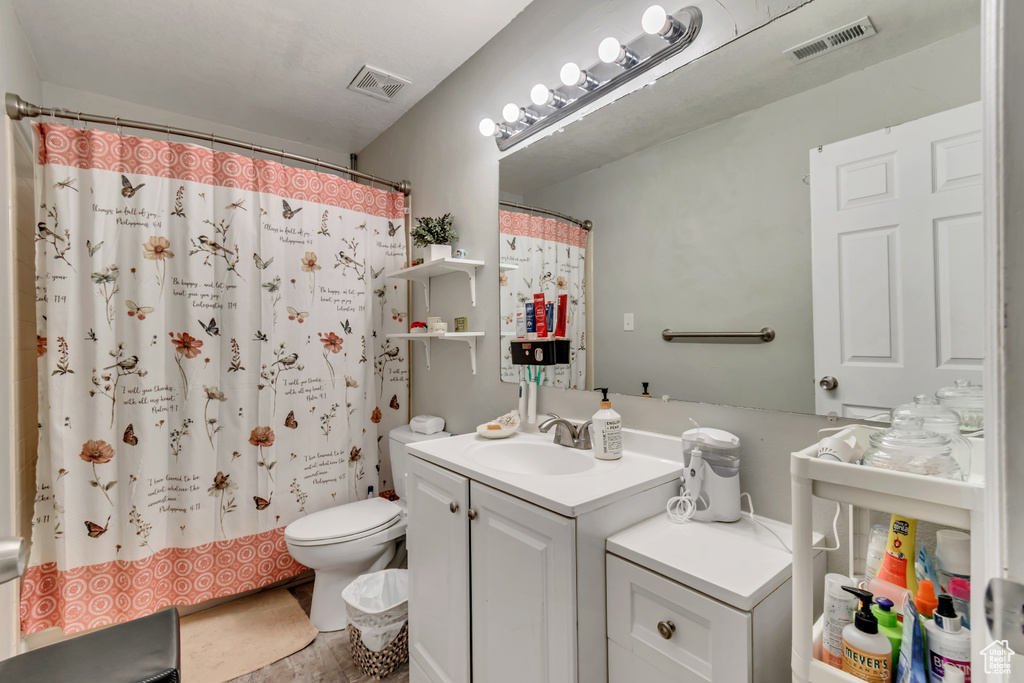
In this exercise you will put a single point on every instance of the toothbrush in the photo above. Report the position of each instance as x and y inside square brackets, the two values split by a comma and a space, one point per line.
[522, 391]
[531, 411]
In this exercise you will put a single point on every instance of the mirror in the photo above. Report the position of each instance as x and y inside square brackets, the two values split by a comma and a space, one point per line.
[835, 200]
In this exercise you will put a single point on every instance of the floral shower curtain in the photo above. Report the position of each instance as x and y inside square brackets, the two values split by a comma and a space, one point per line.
[213, 364]
[551, 258]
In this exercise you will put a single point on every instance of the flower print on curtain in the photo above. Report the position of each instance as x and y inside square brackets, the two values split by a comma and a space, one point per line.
[194, 298]
[551, 256]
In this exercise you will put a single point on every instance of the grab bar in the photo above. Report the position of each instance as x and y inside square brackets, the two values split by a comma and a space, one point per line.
[766, 335]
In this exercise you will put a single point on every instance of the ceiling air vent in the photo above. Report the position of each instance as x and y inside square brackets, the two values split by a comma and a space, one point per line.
[833, 40]
[376, 83]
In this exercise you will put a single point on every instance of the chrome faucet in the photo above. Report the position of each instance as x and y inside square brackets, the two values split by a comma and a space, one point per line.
[566, 433]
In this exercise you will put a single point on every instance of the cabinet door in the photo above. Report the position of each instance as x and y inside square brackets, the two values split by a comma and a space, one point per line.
[523, 562]
[438, 543]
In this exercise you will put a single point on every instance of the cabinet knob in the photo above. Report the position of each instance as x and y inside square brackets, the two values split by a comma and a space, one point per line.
[666, 629]
[454, 507]
[471, 513]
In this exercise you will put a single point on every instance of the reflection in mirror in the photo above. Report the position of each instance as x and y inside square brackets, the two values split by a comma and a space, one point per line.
[544, 252]
[835, 199]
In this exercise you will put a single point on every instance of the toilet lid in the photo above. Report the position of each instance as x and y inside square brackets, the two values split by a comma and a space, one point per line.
[343, 520]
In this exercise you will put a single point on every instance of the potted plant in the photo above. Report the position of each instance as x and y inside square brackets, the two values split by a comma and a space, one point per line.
[435, 235]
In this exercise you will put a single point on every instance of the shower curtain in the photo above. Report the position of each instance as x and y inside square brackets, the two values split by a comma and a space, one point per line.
[551, 258]
[213, 364]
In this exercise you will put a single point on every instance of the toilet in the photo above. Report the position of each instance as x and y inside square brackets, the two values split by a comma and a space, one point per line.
[344, 542]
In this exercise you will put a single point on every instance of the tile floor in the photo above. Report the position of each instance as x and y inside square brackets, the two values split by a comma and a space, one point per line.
[326, 660]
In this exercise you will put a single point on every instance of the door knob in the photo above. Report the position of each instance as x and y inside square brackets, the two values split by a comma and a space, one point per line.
[828, 383]
[454, 507]
[666, 629]
[471, 513]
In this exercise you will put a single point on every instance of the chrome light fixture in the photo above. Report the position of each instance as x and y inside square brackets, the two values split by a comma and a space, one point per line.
[583, 86]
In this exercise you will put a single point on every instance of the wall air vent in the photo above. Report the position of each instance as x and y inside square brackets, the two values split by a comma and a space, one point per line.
[376, 83]
[833, 40]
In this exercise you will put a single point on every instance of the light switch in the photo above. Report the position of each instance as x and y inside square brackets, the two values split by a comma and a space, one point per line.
[627, 322]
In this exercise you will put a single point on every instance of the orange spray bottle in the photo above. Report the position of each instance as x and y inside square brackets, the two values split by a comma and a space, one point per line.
[900, 550]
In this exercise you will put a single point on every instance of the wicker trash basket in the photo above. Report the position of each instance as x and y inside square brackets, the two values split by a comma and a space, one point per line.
[377, 665]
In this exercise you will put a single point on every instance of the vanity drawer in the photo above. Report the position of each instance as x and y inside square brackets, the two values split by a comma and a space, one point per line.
[709, 641]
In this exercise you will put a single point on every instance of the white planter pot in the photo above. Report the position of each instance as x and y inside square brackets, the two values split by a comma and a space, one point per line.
[436, 252]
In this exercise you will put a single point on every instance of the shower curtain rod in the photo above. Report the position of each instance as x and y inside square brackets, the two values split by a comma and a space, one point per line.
[18, 109]
[586, 225]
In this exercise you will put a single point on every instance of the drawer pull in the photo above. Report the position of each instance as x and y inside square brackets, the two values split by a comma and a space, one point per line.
[471, 513]
[454, 507]
[666, 629]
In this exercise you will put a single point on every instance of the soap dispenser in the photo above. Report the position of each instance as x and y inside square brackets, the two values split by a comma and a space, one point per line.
[607, 431]
[867, 654]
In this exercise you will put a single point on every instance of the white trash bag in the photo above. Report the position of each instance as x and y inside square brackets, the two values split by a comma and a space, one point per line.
[378, 605]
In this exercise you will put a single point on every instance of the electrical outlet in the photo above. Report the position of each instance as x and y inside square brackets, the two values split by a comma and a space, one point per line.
[627, 322]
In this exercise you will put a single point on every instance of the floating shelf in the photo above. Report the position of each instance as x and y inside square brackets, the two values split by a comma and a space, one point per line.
[423, 272]
[507, 266]
[426, 337]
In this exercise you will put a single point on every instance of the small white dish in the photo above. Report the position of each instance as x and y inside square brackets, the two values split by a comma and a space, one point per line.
[483, 431]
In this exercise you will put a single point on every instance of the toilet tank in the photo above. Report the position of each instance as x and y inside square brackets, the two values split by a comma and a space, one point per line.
[400, 439]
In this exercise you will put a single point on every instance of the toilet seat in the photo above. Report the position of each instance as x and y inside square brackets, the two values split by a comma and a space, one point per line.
[344, 523]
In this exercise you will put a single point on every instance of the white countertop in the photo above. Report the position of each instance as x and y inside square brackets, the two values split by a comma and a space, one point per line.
[738, 563]
[648, 460]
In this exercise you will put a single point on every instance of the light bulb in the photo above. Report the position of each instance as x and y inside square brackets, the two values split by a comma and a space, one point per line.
[570, 74]
[610, 50]
[488, 127]
[654, 20]
[510, 112]
[657, 22]
[543, 95]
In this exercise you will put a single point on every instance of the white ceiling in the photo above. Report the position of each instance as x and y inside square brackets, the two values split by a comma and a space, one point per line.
[278, 68]
[743, 75]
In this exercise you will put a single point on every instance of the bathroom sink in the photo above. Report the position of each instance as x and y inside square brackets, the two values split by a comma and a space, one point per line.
[530, 457]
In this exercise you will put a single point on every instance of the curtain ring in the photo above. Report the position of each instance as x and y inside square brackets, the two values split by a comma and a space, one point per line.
[117, 123]
[80, 120]
[316, 168]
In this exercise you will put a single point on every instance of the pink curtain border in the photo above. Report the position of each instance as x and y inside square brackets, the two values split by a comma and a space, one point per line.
[96, 149]
[98, 595]
[539, 227]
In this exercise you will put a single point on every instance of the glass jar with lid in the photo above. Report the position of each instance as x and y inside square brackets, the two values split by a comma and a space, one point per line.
[908, 447]
[941, 420]
[968, 400]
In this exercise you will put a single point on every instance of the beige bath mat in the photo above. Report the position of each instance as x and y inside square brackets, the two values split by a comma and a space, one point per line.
[242, 636]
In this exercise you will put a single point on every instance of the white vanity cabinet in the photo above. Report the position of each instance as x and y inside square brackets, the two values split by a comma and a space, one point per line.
[700, 602]
[509, 563]
[530, 580]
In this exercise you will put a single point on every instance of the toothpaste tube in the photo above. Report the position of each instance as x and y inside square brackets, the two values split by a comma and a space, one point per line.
[563, 312]
[538, 312]
[531, 322]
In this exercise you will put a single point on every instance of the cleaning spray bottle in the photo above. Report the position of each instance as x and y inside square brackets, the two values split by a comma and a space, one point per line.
[898, 564]
[949, 643]
[607, 431]
[867, 654]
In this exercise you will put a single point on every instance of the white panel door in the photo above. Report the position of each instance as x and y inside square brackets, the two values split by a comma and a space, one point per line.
[898, 263]
[524, 591]
[438, 544]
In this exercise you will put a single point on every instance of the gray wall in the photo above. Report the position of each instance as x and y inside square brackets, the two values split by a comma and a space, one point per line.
[712, 231]
[437, 146]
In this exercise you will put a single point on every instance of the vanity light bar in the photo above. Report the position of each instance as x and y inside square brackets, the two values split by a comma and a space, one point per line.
[582, 86]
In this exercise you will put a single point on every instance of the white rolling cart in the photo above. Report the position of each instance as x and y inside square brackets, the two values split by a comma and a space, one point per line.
[928, 499]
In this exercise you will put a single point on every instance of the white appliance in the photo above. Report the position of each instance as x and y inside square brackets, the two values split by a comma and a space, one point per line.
[714, 479]
[344, 542]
